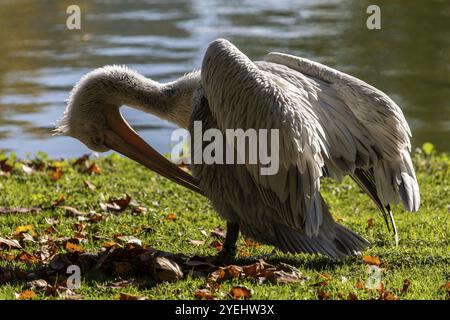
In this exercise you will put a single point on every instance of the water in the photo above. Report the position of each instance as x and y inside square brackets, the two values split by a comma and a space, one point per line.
[40, 60]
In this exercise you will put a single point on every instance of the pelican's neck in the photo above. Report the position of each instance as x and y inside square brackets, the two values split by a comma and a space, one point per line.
[171, 101]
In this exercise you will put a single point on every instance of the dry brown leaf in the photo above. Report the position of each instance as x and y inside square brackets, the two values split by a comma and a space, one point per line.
[10, 243]
[81, 160]
[127, 296]
[405, 287]
[216, 245]
[171, 217]
[196, 242]
[7, 257]
[74, 247]
[116, 205]
[58, 201]
[370, 223]
[360, 284]
[27, 258]
[203, 294]
[352, 296]
[251, 243]
[56, 174]
[323, 295]
[240, 292]
[72, 211]
[217, 232]
[387, 295]
[90, 185]
[8, 210]
[372, 260]
[26, 295]
[94, 169]
[165, 269]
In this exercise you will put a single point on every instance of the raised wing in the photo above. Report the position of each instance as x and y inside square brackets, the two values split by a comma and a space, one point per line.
[364, 128]
[240, 95]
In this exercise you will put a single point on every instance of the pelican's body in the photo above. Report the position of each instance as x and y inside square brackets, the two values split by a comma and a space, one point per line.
[330, 124]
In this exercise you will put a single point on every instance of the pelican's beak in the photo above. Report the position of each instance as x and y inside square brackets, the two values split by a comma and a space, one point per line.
[131, 145]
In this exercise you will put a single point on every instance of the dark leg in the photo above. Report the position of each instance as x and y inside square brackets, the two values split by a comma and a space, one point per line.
[229, 246]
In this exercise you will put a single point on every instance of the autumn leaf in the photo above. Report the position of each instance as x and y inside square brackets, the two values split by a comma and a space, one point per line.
[58, 201]
[81, 160]
[10, 243]
[56, 174]
[7, 257]
[196, 242]
[130, 239]
[23, 229]
[203, 294]
[90, 185]
[251, 243]
[127, 296]
[217, 232]
[372, 260]
[166, 269]
[240, 292]
[26, 295]
[94, 169]
[405, 287]
[370, 223]
[8, 210]
[171, 217]
[74, 247]
[116, 205]
[352, 296]
[216, 245]
[72, 211]
[360, 284]
[323, 295]
[27, 258]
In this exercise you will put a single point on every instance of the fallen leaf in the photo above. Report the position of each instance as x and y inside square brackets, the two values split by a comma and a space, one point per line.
[171, 217]
[165, 269]
[27, 258]
[203, 294]
[370, 223]
[72, 211]
[196, 242]
[10, 243]
[216, 245]
[217, 232]
[56, 174]
[74, 247]
[127, 296]
[405, 287]
[8, 210]
[360, 284]
[26, 295]
[116, 205]
[7, 257]
[81, 160]
[372, 260]
[387, 295]
[58, 201]
[90, 185]
[225, 273]
[130, 239]
[323, 295]
[239, 292]
[22, 229]
[94, 169]
[352, 296]
[139, 209]
[251, 243]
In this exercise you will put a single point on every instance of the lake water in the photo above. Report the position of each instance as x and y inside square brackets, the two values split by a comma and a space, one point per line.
[40, 59]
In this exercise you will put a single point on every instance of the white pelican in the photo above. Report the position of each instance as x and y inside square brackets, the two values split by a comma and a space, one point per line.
[330, 124]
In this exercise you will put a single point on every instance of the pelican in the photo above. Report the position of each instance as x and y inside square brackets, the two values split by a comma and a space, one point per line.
[330, 124]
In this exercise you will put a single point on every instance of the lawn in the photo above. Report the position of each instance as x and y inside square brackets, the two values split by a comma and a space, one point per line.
[60, 212]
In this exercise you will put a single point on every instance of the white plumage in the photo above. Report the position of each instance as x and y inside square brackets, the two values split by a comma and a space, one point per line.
[330, 124]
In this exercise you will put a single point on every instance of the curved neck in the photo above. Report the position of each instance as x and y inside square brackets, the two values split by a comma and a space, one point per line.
[171, 101]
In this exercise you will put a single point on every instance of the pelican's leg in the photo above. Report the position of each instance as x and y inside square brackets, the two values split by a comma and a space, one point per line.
[228, 251]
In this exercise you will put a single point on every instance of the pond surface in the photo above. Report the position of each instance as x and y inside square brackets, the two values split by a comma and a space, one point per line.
[40, 59]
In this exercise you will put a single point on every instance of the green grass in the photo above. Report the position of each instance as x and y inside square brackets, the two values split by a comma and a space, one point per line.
[423, 255]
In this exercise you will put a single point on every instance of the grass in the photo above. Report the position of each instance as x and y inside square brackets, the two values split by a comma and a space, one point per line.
[422, 257]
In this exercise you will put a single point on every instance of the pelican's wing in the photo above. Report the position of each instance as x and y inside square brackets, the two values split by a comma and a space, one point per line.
[367, 134]
[240, 95]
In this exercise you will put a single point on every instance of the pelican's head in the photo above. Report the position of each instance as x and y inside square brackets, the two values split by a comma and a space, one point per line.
[92, 116]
